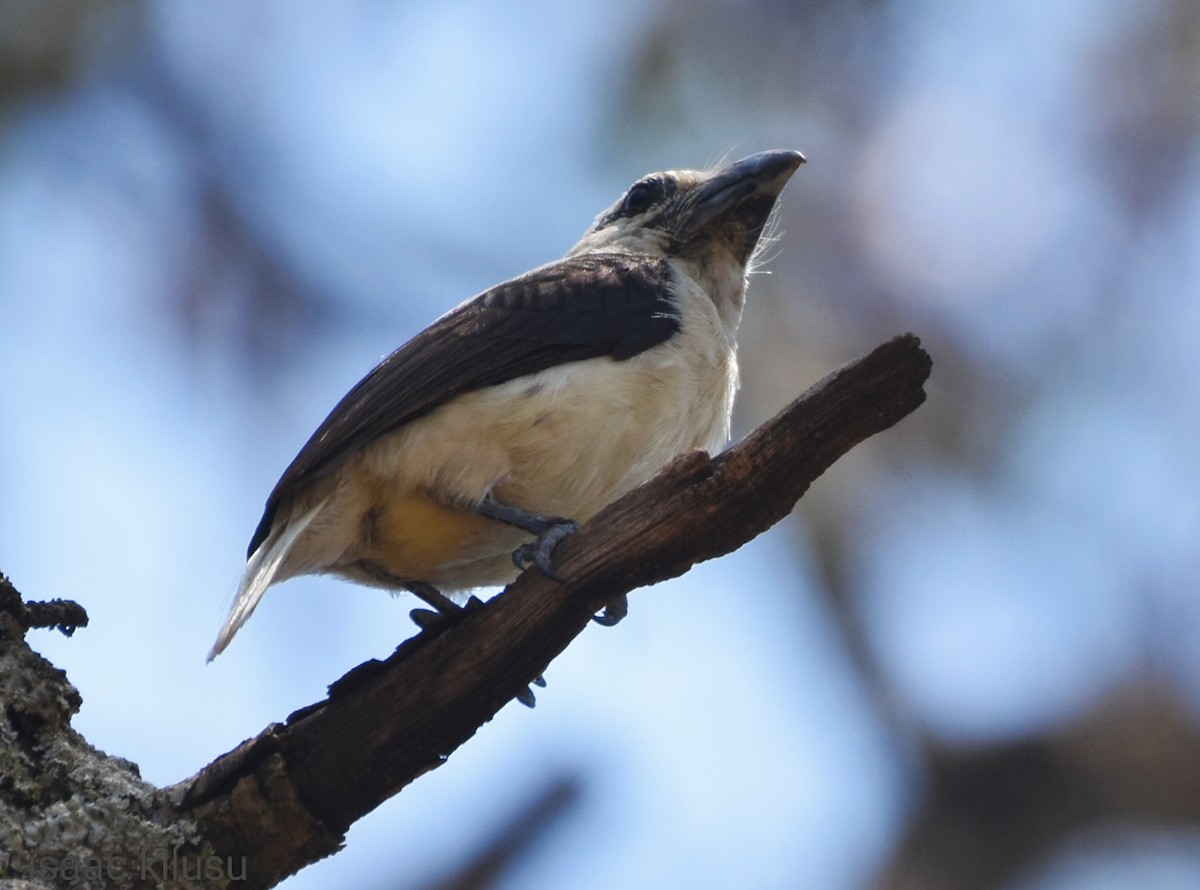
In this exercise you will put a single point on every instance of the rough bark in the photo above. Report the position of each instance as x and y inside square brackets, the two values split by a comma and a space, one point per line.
[286, 797]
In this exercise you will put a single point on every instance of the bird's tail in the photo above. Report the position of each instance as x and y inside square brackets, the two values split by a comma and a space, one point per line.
[261, 572]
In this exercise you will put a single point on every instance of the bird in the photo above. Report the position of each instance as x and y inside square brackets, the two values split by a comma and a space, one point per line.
[468, 453]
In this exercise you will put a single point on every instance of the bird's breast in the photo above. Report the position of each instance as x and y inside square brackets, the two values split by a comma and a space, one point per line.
[568, 440]
[563, 442]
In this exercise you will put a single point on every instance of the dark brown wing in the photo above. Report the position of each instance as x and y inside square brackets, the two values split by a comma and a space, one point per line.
[611, 304]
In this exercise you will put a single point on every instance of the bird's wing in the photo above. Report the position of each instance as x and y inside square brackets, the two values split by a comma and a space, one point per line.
[590, 306]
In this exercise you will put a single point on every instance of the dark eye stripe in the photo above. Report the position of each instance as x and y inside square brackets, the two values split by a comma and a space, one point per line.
[642, 195]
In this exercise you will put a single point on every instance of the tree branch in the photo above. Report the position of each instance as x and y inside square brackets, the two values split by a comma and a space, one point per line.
[290, 793]
[286, 797]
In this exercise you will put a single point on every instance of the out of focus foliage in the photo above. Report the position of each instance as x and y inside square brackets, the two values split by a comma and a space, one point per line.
[214, 217]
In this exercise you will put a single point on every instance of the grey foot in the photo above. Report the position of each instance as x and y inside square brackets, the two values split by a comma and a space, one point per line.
[613, 612]
[525, 696]
[445, 612]
[537, 553]
[549, 530]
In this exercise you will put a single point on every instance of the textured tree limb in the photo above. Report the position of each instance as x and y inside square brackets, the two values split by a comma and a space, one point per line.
[65, 615]
[286, 797]
[290, 793]
[72, 816]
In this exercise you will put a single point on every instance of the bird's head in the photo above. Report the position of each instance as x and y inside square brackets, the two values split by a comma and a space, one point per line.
[688, 213]
[710, 222]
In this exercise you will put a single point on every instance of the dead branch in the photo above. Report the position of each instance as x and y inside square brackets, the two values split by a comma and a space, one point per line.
[383, 726]
[286, 797]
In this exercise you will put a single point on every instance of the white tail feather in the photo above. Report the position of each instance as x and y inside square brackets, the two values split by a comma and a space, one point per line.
[259, 574]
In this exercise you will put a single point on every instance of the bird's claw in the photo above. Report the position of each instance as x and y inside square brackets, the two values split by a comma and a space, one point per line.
[448, 614]
[430, 621]
[613, 612]
[537, 553]
[525, 696]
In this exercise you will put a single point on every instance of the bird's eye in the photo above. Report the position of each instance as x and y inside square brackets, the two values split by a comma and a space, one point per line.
[642, 195]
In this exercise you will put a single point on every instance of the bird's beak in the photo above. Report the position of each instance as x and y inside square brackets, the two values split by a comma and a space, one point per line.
[758, 177]
[734, 203]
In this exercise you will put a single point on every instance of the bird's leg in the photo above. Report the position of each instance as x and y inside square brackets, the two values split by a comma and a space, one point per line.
[613, 612]
[449, 613]
[445, 612]
[432, 596]
[550, 530]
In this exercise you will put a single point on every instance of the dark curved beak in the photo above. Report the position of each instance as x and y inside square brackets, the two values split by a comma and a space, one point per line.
[761, 175]
[735, 202]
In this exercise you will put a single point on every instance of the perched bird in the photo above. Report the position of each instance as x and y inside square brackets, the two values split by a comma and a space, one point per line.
[470, 451]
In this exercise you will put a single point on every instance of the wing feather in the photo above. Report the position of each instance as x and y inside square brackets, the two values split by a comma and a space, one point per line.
[590, 306]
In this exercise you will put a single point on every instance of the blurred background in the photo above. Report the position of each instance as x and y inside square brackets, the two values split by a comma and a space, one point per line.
[970, 659]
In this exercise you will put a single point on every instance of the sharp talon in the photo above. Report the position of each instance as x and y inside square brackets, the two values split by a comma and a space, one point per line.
[549, 530]
[613, 612]
[434, 623]
[544, 567]
[522, 557]
[537, 553]
[539, 681]
[526, 698]
[426, 619]
[445, 612]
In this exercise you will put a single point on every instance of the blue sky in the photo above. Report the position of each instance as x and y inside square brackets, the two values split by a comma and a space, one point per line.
[1025, 548]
